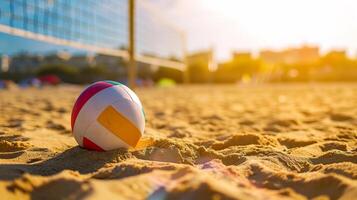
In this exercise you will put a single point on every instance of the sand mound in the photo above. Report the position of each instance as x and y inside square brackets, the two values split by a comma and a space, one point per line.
[216, 142]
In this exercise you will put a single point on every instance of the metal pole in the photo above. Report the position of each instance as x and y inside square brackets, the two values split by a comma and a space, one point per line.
[131, 50]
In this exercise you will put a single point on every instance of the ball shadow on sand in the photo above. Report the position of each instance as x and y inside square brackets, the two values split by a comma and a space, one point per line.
[75, 158]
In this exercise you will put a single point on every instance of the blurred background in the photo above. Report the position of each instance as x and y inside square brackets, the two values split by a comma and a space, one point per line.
[166, 42]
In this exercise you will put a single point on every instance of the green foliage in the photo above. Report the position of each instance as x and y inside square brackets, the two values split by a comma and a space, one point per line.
[93, 73]
[234, 70]
[17, 77]
[65, 72]
[169, 73]
[166, 82]
[70, 74]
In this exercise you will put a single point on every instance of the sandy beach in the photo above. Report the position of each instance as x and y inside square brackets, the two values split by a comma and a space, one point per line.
[295, 141]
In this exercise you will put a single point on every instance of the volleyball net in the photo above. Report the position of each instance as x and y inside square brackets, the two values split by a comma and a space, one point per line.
[97, 26]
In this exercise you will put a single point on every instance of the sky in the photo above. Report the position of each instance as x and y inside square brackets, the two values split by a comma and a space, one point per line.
[251, 25]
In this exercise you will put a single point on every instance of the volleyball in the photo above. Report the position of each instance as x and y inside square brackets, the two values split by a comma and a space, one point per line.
[107, 115]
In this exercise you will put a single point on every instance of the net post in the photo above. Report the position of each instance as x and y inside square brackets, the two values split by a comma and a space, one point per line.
[132, 71]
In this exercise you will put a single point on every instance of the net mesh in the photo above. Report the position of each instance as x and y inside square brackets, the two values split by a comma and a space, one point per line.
[102, 24]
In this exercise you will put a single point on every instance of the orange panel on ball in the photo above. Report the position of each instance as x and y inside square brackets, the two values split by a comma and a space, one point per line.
[119, 126]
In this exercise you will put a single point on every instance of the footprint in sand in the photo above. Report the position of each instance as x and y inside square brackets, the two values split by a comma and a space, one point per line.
[335, 157]
[293, 143]
[247, 122]
[62, 110]
[33, 160]
[333, 146]
[280, 125]
[55, 126]
[340, 117]
[48, 106]
[12, 146]
[240, 140]
[9, 150]
[15, 123]
[284, 122]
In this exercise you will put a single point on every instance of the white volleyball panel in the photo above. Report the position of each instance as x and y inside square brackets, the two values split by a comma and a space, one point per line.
[132, 112]
[133, 96]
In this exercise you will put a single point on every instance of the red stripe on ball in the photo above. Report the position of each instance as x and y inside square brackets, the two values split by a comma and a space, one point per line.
[88, 144]
[85, 96]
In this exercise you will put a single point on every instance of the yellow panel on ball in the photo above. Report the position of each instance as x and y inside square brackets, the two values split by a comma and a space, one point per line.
[119, 126]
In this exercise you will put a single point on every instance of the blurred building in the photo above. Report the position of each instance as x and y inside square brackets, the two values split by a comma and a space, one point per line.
[304, 54]
[81, 61]
[242, 55]
[337, 54]
[203, 58]
[24, 62]
[200, 64]
[5, 63]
